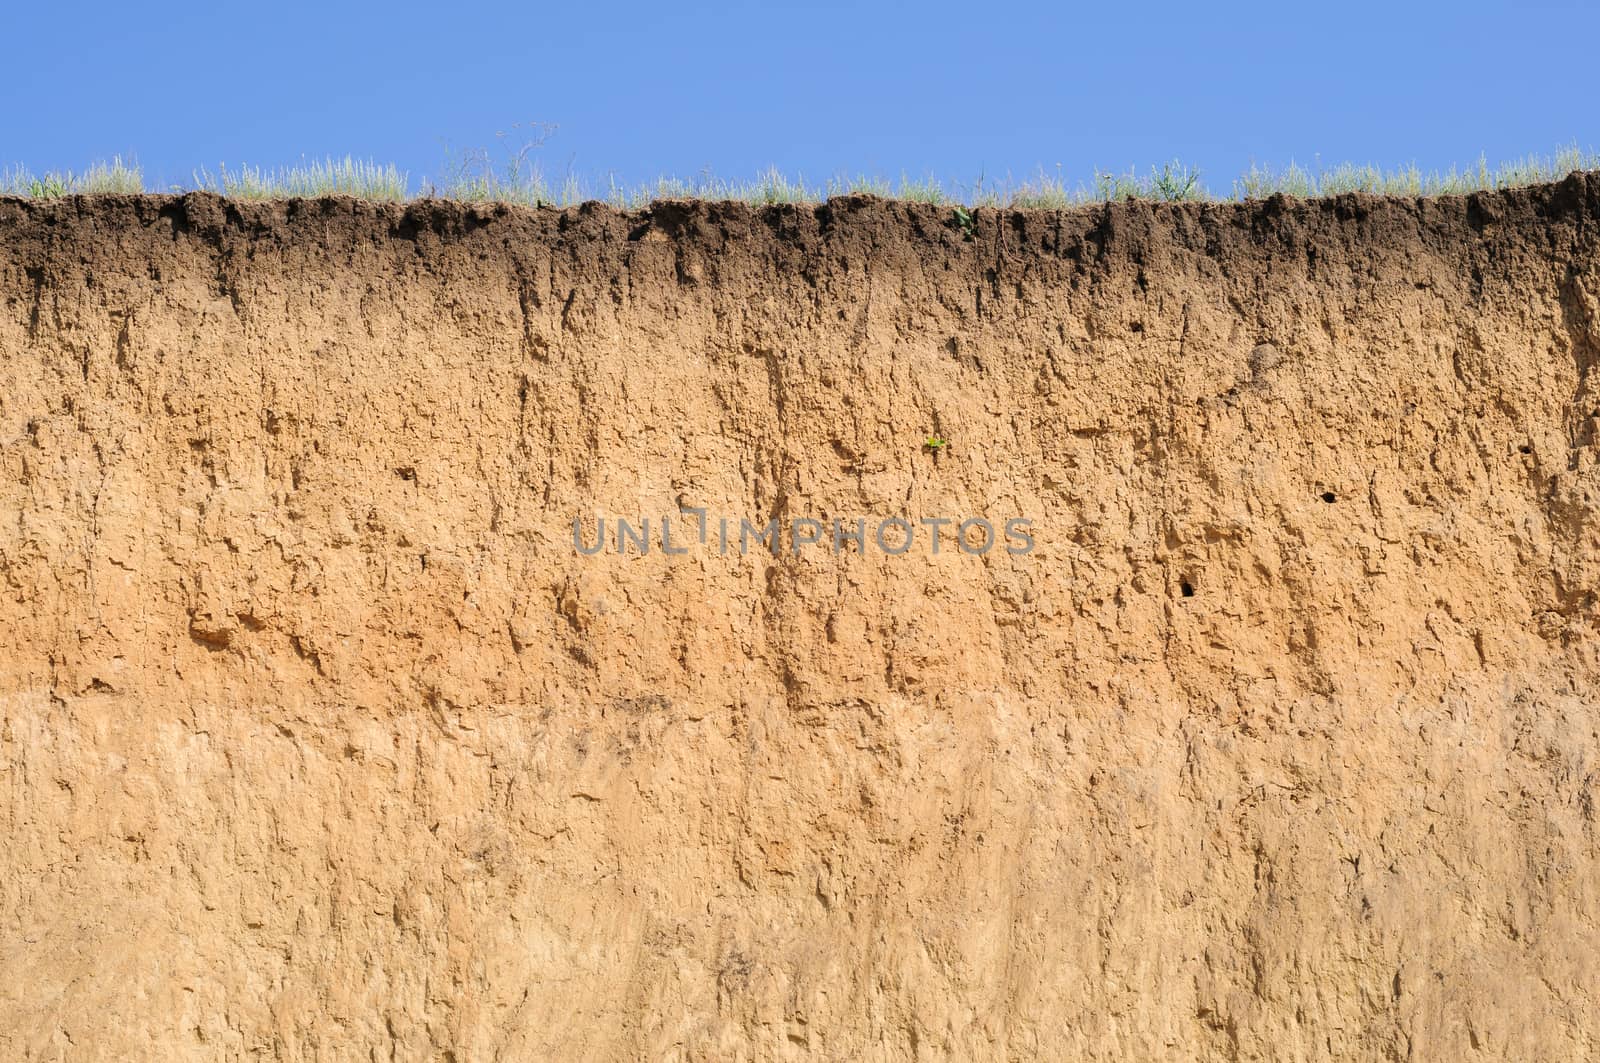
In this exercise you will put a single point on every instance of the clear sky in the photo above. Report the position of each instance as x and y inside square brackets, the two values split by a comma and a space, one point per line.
[815, 89]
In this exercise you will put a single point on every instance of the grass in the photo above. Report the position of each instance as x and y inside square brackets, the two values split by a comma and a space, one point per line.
[328, 177]
[513, 175]
[113, 176]
[1260, 182]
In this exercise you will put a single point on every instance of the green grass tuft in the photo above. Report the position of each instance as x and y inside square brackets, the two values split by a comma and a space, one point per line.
[922, 190]
[1259, 182]
[115, 176]
[325, 177]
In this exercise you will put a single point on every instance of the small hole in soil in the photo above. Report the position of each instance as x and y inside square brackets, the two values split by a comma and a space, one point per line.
[1329, 497]
[1525, 449]
[1187, 588]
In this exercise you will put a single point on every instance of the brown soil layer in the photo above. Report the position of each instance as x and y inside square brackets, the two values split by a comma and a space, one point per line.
[319, 739]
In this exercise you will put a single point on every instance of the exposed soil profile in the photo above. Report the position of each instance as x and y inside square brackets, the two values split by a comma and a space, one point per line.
[322, 737]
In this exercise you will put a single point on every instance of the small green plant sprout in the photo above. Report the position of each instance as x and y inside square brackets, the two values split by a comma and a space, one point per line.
[963, 221]
[1176, 183]
[50, 186]
[935, 443]
[1111, 187]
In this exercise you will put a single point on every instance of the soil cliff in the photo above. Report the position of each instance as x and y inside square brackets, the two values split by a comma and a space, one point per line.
[1271, 734]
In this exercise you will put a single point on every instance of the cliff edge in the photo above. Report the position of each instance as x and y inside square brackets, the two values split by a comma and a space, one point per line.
[325, 733]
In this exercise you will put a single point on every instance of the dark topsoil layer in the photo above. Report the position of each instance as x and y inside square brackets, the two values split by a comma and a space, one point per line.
[1560, 220]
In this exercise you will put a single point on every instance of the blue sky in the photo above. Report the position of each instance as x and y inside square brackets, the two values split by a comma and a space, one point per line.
[814, 89]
